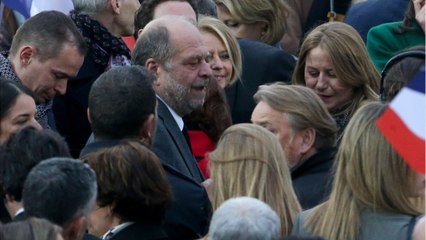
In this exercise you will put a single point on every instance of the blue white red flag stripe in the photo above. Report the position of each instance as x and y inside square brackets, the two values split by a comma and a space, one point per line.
[31, 7]
[403, 123]
[21, 6]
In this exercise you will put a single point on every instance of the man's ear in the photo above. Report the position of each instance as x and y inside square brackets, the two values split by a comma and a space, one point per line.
[140, 31]
[88, 116]
[76, 228]
[154, 67]
[148, 127]
[26, 54]
[308, 140]
[115, 6]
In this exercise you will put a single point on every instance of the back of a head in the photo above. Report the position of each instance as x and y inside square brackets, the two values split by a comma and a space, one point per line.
[370, 169]
[207, 8]
[399, 70]
[48, 32]
[131, 181]
[30, 229]
[145, 14]
[60, 190]
[244, 218]
[22, 151]
[89, 7]
[120, 101]
[249, 161]
[303, 108]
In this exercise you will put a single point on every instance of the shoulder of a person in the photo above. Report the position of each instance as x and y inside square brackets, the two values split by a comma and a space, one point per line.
[383, 29]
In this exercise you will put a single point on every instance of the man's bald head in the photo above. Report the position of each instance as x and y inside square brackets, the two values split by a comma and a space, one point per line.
[156, 40]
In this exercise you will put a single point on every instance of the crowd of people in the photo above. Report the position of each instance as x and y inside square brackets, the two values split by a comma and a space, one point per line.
[225, 120]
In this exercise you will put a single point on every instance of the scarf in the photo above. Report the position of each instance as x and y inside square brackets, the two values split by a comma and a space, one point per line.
[103, 45]
[43, 109]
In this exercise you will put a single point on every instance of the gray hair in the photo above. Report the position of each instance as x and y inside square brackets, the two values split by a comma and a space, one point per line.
[59, 190]
[89, 7]
[154, 41]
[244, 218]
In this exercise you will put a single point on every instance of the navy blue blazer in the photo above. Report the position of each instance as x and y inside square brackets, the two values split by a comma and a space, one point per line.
[262, 64]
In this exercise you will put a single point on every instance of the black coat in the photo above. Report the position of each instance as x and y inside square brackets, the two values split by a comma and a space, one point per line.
[70, 110]
[140, 231]
[312, 179]
[262, 64]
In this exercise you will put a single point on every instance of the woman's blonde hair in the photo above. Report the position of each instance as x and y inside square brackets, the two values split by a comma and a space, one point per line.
[227, 37]
[249, 161]
[349, 57]
[271, 12]
[369, 175]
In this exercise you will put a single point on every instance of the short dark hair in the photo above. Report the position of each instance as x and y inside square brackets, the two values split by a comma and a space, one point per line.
[59, 190]
[207, 8]
[22, 151]
[145, 14]
[132, 181]
[120, 101]
[48, 32]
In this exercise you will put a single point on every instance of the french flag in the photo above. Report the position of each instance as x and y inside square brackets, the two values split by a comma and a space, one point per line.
[21, 6]
[403, 122]
[30, 8]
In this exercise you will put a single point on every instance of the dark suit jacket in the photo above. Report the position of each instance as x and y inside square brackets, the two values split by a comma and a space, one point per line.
[312, 180]
[140, 231]
[21, 216]
[262, 64]
[70, 110]
[188, 217]
[171, 147]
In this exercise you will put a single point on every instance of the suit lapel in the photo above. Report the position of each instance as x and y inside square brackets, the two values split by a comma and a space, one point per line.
[179, 140]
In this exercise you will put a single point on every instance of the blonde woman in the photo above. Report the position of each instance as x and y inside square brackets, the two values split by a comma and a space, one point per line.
[334, 62]
[206, 124]
[225, 53]
[375, 194]
[261, 20]
[249, 161]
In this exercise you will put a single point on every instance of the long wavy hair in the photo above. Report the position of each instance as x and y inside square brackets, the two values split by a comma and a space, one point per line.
[349, 57]
[369, 175]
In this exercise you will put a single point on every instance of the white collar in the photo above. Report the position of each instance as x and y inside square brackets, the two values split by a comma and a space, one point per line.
[21, 210]
[178, 119]
[116, 229]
